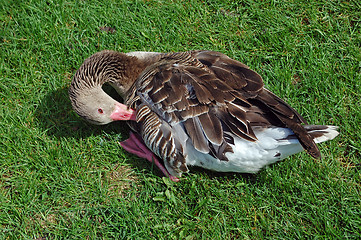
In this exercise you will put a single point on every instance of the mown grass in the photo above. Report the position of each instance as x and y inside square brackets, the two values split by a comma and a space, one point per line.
[61, 178]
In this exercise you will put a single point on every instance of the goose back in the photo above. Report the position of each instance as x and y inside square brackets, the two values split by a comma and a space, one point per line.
[205, 99]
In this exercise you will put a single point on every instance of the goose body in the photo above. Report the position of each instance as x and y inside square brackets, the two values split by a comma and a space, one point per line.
[197, 108]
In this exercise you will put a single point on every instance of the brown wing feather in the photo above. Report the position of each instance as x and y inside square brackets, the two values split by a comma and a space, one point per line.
[195, 132]
[212, 128]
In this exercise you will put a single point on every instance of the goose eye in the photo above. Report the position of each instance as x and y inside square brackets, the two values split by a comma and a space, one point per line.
[100, 110]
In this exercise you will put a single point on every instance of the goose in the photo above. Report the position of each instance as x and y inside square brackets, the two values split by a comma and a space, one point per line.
[196, 108]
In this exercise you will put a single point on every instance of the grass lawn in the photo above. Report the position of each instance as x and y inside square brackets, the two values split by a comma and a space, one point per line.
[61, 178]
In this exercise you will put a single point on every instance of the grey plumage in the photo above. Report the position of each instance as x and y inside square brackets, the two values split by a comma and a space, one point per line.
[202, 98]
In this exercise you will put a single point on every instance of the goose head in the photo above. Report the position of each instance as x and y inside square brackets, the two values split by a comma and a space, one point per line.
[88, 98]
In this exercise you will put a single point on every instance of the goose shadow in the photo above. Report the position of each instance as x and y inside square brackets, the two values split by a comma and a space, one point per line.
[56, 117]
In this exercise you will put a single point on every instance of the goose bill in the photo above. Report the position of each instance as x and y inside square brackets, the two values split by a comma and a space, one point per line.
[122, 112]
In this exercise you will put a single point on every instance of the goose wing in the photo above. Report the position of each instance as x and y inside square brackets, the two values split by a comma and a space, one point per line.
[208, 98]
[267, 107]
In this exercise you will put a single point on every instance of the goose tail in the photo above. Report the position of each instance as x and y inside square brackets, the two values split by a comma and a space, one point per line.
[321, 133]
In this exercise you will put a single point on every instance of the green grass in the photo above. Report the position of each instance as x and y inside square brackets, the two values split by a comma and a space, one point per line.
[61, 178]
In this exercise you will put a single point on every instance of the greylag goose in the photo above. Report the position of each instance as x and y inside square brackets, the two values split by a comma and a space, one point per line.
[196, 108]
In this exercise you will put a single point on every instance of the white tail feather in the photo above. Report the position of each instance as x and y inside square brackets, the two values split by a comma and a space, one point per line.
[327, 134]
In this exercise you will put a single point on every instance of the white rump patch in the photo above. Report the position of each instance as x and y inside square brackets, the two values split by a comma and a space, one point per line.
[142, 55]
